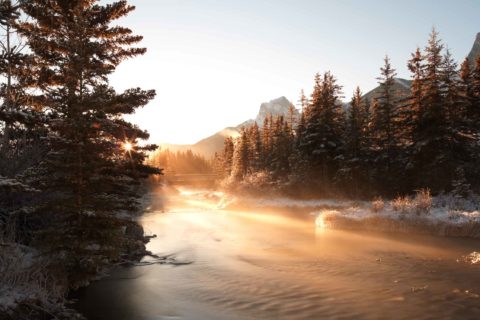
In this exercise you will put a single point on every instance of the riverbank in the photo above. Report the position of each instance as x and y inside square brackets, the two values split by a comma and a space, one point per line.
[252, 260]
[443, 215]
[32, 286]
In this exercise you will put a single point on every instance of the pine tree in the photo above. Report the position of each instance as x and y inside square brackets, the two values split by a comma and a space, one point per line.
[385, 114]
[228, 151]
[351, 168]
[323, 136]
[353, 132]
[240, 157]
[281, 148]
[451, 91]
[94, 165]
[267, 140]
[433, 146]
[468, 97]
[255, 150]
[20, 126]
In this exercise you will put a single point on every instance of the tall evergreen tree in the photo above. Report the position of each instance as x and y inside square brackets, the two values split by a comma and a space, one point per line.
[468, 97]
[92, 170]
[255, 150]
[323, 137]
[384, 119]
[241, 156]
[228, 151]
[432, 144]
[352, 168]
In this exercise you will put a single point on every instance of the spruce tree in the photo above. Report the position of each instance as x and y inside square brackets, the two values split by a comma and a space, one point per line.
[240, 163]
[451, 91]
[228, 150]
[91, 174]
[432, 144]
[351, 167]
[323, 135]
[255, 150]
[468, 97]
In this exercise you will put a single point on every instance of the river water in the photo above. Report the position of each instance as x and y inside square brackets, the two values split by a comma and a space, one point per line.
[276, 264]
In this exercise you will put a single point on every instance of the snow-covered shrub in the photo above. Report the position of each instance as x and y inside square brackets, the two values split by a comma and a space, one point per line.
[423, 201]
[402, 204]
[26, 281]
[377, 205]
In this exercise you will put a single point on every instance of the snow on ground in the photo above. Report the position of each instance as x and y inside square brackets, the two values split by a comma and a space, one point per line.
[444, 215]
[24, 282]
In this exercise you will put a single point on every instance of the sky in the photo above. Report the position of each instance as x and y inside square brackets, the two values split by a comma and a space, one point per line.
[213, 62]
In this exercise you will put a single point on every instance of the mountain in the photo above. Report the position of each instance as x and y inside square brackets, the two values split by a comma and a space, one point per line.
[214, 143]
[208, 146]
[401, 87]
[276, 107]
[475, 52]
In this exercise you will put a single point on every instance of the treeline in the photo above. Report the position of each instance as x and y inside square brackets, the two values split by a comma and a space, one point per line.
[70, 165]
[181, 162]
[395, 143]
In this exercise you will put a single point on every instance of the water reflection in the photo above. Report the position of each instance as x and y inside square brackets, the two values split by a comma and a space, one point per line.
[274, 264]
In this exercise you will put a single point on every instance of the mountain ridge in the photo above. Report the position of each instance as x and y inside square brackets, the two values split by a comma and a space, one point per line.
[279, 106]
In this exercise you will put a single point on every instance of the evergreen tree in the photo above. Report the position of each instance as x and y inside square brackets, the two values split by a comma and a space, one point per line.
[94, 164]
[281, 148]
[468, 97]
[267, 140]
[228, 151]
[351, 166]
[432, 144]
[353, 132]
[255, 148]
[451, 91]
[240, 157]
[322, 140]
[384, 118]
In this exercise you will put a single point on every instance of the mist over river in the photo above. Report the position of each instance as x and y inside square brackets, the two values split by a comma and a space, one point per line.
[277, 264]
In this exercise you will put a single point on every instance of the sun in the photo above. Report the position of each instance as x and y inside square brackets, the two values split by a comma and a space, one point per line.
[127, 146]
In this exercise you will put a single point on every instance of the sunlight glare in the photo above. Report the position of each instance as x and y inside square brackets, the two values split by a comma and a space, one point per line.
[127, 146]
[319, 222]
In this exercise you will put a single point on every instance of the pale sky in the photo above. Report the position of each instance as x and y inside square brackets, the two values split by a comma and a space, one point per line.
[213, 62]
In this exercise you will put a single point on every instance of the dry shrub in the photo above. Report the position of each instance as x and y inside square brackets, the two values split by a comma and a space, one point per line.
[402, 204]
[27, 276]
[377, 205]
[423, 201]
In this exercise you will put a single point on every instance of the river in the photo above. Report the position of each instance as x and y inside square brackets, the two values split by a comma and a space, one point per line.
[276, 264]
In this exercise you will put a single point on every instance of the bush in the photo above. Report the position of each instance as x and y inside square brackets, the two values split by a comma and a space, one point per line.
[422, 201]
[377, 205]
[402, 204]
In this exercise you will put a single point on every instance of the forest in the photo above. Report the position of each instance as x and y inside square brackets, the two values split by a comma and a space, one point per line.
[71, 166]
[180, 162]
[393, 143]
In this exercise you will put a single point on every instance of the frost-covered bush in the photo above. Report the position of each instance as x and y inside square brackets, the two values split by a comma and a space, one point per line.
[402, 204]
[26, 281]
[377, 205]
[423, 201]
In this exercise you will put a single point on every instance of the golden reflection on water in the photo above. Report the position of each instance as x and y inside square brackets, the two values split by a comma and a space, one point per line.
[258, 263]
